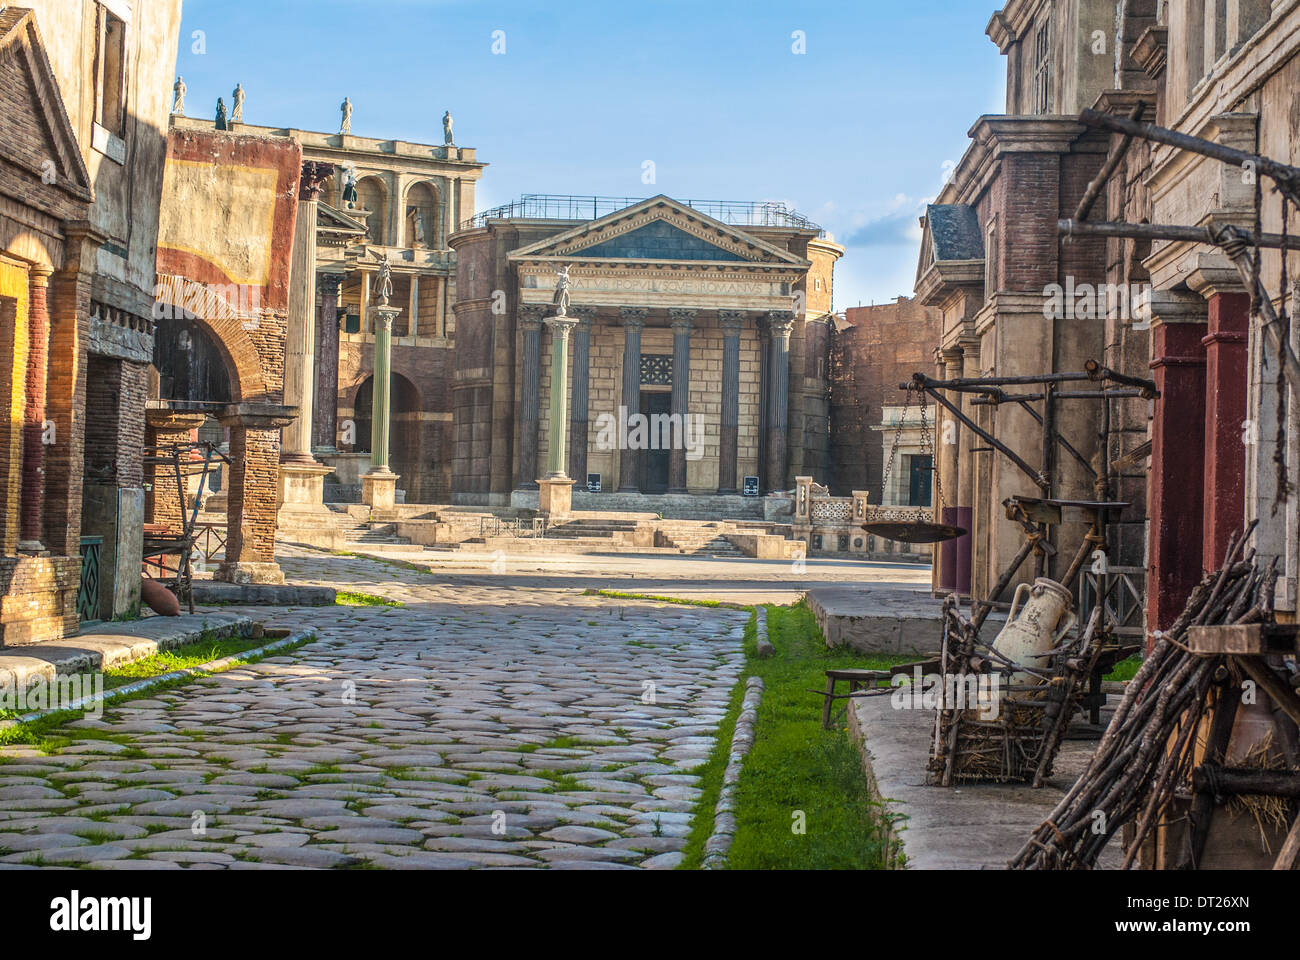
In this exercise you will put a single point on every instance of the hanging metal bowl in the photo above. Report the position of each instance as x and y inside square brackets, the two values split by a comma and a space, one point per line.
[910, 526]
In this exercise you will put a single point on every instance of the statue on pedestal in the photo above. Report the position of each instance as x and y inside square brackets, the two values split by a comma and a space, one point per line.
[237, 113]
[385, 285]
[350, 186]
[178, 107]
[223, 122]
[446, 129]
[346, 107]
[562, 291]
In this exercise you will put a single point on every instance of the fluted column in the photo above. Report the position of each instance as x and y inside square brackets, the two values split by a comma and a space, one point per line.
[300, 332]
[530, 395]
[382, 391]
[764, 374]
[683, 322]
[629, 467]
[731, 322]
[32, 501]
[780, 326]
[578, 418]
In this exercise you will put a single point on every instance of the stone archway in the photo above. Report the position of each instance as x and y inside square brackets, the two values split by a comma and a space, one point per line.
[404, 444]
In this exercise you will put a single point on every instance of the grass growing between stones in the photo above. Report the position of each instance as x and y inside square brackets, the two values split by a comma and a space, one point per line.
[347, 598]
[683, 601]
[795, 767]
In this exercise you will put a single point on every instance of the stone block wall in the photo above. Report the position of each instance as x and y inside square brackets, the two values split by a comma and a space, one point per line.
[879, 348]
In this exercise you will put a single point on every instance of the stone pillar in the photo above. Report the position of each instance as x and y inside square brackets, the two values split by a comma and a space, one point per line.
[555, 491]
[379, 484]
[950, 361]
[683, 322]
[965, 492]
[1224, 490]
[299, 341]
[325, 429]
[254, 479]
[580, 415]
[32, 499]
[629, 465]
[530, 395]
[413, 328]
[1175, 498]
[731, 322]
[764, 378]
[780, 325]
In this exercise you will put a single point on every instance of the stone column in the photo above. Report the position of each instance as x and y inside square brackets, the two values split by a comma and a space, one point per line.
[325, 426]
[683, 322]
[299, 342]
[530, 395]
[629, 464]
[1224, 490]
[949, 368]
[1175, 498]
[764, 375]
[965, 492]
[555, 493]
[251, 498]
[731, 322]
[379, 484]
[780, 325]
[413, 328]
[32, 499]
[578, 420]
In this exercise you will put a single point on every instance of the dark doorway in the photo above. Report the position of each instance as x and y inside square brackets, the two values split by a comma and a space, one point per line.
[654, 463]
[919, 481]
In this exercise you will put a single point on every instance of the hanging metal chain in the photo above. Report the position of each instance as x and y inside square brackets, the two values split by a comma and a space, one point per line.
[927, 446]
[893, 450]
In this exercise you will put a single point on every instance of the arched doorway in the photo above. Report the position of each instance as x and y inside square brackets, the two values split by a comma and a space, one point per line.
[404, 441]
[372, 195]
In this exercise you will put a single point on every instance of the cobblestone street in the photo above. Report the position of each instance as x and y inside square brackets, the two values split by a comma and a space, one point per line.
[477, 726]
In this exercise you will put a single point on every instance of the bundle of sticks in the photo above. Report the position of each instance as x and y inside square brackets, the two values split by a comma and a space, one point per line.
[1148, 749]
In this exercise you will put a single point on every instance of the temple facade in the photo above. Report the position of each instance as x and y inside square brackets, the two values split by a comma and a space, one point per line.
[699, 358]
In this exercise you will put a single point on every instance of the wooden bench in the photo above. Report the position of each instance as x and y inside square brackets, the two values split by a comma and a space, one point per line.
[857, 680]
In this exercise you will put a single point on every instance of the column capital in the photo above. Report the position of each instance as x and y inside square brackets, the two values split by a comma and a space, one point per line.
[314, 175]
[386, 316]
[327, 283]
[81, 243]
[950, 354]
[732, 321]
[38, 275]
[586, 315]
[780, 323]
[633, 316]
[682, 320]
[561, 326]
[531, 314]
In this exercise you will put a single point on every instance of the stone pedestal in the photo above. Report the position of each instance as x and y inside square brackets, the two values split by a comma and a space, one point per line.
[379, 489]
[248, 572]
[253, 491]
[302, 516]
[555, 497]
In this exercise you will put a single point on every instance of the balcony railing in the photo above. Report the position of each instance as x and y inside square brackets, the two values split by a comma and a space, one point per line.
[739, 213]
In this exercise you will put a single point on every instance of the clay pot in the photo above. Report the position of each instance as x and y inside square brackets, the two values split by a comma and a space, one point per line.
[1040, 616]
[159, 599]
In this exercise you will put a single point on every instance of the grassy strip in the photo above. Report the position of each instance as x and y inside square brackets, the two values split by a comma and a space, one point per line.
[36, 732]
[620, 595]
[348, 598]
[795, 768]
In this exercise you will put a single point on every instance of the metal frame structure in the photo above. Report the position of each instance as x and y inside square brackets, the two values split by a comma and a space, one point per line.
[159, 546]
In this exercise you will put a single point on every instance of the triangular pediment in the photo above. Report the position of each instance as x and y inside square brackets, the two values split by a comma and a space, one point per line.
[40, 141]
[659, 229]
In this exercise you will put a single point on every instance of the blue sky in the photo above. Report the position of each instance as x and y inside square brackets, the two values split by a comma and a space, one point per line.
[856, 133]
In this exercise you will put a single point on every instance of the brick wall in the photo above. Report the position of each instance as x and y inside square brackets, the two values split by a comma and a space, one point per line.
[883, 346]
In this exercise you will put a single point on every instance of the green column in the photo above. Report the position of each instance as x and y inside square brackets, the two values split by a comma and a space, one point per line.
[382, 390]
[557, 457]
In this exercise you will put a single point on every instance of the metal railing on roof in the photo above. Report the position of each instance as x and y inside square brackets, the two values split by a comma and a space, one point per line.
[739, 213]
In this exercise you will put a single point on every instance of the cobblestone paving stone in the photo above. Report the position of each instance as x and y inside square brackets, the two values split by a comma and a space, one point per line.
[480, 726]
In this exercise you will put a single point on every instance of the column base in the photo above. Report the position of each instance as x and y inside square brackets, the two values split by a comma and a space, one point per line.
[34, 547]
[733, 492]
[555, 497]
[244, 572]
[379, 489]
